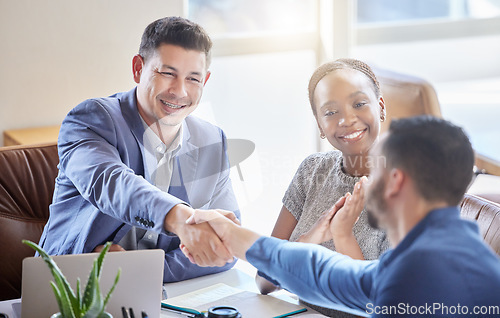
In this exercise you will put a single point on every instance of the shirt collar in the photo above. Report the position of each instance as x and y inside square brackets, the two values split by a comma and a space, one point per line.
[434, 217]
[153, 142]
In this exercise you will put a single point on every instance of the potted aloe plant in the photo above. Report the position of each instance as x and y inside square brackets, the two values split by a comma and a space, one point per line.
[71, 305]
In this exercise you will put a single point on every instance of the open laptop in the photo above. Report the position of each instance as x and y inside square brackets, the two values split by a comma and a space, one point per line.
[139, 287]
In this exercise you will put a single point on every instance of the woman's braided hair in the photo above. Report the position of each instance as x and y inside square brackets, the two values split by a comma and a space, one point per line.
[344, 63]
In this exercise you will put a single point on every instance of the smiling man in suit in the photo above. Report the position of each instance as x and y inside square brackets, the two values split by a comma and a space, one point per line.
[135, 165]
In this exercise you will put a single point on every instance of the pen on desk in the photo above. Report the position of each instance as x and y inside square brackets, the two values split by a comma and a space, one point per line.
[125, 313]
[131, 312]
[181, 313]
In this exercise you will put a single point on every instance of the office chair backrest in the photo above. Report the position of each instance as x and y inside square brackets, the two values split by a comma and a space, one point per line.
[27, 178]
[406, 96]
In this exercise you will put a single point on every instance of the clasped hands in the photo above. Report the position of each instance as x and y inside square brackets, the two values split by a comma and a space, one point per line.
[338, 222]
[225, 238]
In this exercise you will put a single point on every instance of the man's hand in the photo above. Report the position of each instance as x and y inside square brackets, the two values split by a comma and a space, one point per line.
[236, 239]
[320, 232]
[205, 247]
[113, 248]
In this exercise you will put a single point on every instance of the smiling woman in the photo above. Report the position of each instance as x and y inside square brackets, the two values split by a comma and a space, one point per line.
[346, 101]
[348, 108]
[348, 114]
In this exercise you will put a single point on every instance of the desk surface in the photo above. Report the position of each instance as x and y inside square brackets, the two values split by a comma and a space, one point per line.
[234, 277]
[240, 278]
[6, 307]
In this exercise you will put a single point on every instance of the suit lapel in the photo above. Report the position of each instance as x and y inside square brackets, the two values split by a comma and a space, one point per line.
[184, 172]
[128, 104]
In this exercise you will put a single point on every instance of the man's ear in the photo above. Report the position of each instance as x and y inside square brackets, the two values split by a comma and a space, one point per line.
[395, 183]
[207, 77]
[137, 65]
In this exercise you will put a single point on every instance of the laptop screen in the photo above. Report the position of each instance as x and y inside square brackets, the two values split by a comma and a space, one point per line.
[139, 287]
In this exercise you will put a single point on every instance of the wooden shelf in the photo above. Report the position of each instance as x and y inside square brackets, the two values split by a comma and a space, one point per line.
[490, 165]
[31, 136]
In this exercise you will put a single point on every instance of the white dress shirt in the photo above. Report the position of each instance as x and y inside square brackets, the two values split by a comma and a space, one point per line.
[160, 174]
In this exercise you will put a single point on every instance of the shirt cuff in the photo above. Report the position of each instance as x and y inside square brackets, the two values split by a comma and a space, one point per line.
[259, 255]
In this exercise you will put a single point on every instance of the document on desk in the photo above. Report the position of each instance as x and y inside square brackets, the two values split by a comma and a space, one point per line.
[249, 304]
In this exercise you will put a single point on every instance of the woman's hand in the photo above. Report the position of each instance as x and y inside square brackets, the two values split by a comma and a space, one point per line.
[320, 232]
[346, 217]
[343, 222]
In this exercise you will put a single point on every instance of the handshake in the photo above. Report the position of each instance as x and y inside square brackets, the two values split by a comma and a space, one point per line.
[215, 237]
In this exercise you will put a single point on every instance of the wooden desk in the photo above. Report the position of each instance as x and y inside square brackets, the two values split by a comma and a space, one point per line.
[31, 136]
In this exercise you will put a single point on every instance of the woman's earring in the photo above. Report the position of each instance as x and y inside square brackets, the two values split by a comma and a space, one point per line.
[382, 115]
[322, 136]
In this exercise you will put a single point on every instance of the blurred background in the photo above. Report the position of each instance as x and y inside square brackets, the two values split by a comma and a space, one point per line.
[56, 53]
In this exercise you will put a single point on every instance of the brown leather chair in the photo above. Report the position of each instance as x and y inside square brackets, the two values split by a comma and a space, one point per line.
[27, 181]
[406, 96]
[487, 216]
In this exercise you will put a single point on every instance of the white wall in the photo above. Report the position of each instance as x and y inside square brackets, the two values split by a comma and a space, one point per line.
[56, 53]
[261, 98]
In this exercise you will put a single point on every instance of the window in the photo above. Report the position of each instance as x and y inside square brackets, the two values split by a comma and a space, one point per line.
[389, 11]
[385, 21]
[230, 17]
[453, 44]
[264, 53]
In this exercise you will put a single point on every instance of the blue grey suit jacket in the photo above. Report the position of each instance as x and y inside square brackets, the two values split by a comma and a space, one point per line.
[101, 190]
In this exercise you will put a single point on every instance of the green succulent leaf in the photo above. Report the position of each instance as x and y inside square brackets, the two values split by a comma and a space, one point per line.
[66, 294]
[64, 302]
[117, 278]
[96, 306]
[78, 296]
[68, 299]
[100, 259]
[90, 290]
[92, 297]
[57, 294]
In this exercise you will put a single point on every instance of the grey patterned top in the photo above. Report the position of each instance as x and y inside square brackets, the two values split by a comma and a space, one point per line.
[317, 185]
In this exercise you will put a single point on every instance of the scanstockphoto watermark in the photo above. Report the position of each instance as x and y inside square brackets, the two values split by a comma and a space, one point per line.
[433, 309]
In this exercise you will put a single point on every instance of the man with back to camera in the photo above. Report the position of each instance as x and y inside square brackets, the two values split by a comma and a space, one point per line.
[439, 266]
[134, 165]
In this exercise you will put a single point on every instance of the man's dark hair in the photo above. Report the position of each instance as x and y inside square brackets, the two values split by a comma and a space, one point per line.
[436, 154]
[176, 31]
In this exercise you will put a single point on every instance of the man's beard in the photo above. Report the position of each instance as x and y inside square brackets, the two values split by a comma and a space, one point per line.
[375, 203]
[372, 220]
